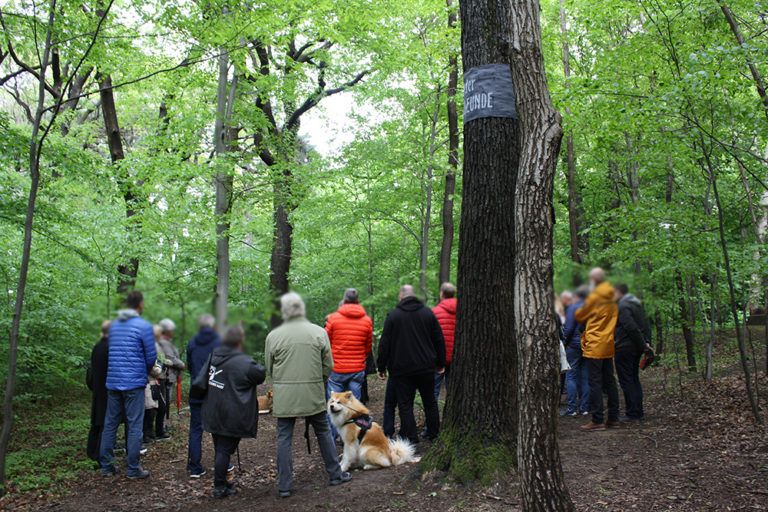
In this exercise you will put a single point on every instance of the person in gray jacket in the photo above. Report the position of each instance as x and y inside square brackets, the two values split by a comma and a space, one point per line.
[173, 367]
[632, 336]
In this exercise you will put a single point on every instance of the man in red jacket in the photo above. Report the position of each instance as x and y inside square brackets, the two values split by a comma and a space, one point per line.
[351, 333]
[445, 312]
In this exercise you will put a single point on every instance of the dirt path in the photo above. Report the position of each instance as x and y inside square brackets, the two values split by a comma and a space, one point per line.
[698, 452]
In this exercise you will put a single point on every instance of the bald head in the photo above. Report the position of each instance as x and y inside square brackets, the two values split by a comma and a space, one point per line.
[407, 291]
[597, 275]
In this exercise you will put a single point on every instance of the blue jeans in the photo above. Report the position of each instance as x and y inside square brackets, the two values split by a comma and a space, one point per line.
[340, 382]
[128, 404]
[195, 450]
[577, 381]
[446, 376]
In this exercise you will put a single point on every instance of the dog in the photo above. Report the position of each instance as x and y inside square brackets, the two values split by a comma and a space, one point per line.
[364, 441]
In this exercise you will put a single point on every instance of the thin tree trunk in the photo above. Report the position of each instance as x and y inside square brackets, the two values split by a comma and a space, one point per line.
[453, 158]
[573, 211]
[480, 424]
[426, 221]
[224, 101]
[542, 482]
[34, 175]
[683, 302]
[736, 323]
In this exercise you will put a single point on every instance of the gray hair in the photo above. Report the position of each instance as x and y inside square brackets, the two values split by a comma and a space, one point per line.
[407, 291]
[234, 336]
[166, 325]
[351, 296]
[206, 320]
[291, 306]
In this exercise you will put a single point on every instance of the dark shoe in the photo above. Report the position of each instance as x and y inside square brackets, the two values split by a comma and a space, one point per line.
[162, 437]
[630, 419]
[142, 450]
[345, 477]
[612, 424]
[141, 475]
[148, 440]
[593, 427]
[568, 412]
[231, 467]
[222, 492]
[120, 448]
[584, 413]
[285, 494]
[196, 474]
[110, 471]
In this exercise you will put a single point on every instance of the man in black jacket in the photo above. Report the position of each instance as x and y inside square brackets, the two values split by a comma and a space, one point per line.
[231, 407]
[97, 383]
[632, 336]
[412, 350]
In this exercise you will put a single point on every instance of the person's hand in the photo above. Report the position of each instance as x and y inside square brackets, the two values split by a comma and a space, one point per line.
[382, 376]
[440, 371]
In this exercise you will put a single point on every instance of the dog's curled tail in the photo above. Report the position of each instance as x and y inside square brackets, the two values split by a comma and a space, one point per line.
[402, 452]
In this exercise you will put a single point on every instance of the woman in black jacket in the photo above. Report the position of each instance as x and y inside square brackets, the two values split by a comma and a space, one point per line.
[230, 409]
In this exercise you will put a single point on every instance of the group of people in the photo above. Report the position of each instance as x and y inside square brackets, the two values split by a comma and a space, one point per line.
[603, 327]
[134, 364]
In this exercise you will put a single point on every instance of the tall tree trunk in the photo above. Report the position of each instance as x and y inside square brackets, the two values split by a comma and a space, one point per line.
[574, 211]
[223, 137]
[129, 271]
[542, 482]
[282, 246]
[739, 333]
[34, 177]
[446, 248]
[480, 424]
[426, 181]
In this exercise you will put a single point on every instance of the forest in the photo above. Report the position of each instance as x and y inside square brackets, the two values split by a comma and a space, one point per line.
[217, 154]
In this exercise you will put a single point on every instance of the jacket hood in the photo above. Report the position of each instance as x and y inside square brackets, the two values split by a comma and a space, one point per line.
[630, 299]
[605, 291]
[410, 304]
[223, 354]
[449, 305]
[125, 314]
[205, 336]
[352, 310]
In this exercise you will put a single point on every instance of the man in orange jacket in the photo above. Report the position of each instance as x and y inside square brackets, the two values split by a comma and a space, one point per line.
[351, 333]
[600, 314]
[445, 312]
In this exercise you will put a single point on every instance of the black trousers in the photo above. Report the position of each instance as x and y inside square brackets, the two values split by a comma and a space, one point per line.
[224, 447]
[405, 391]
[628, 372]
[601, 380]
[94, 442]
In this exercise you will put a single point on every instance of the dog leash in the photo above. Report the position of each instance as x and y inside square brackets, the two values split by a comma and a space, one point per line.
[306, 435]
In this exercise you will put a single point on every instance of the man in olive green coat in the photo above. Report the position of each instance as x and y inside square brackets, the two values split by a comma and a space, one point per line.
[298, 356]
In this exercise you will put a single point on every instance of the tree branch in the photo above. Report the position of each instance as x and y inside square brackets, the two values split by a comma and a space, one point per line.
[319, 94]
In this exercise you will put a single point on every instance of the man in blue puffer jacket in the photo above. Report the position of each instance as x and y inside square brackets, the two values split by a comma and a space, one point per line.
[131, 357]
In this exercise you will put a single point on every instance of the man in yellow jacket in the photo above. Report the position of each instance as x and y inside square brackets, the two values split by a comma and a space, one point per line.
[600, 314]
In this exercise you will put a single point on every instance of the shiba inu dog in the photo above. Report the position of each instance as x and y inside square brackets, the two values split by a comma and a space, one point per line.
[364, 442]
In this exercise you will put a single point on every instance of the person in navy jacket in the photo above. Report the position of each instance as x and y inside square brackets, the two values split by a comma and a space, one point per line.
[131, 357]
[198, 350]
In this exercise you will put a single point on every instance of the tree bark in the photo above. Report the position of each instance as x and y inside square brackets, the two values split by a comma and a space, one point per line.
[480, 424]
[542, 482]
[686, 323]
[129, 271]
[446, 248]
[224, 137]
[34, 176]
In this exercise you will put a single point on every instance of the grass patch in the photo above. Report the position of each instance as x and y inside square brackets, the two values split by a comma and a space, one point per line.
[48, 443]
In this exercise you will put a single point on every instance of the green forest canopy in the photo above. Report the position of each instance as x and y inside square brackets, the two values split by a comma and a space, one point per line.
[658, 98]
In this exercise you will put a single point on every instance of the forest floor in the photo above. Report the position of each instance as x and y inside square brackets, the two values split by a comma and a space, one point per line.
[697, 450]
